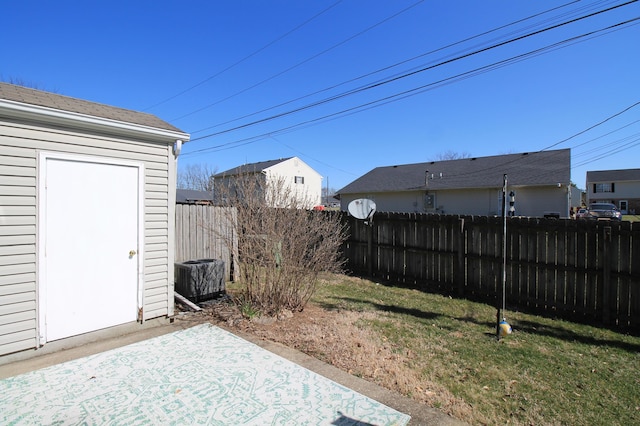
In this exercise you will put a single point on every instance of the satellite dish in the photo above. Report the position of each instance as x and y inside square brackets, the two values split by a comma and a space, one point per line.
[362, 208]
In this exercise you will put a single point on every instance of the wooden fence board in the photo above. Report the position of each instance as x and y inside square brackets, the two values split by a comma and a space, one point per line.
[571, 260]
[582, 240]
[200, 234]
[623, 271]
[553, 266]
[634, 286]
[591, 294]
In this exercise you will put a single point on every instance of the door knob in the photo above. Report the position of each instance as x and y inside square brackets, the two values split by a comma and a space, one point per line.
[132, 253]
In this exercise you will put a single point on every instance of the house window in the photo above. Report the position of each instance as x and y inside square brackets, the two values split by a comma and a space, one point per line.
[299, 179]
[603, 187]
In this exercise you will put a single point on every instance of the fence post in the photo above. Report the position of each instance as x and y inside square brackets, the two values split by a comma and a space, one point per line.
[461, 253]
[369, 248]
[606, 275]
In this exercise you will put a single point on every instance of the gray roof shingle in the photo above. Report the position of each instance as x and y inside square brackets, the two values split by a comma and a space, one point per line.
[613, 175]
[251, 168]
[30, 96]
[185, 196]
[532, 168]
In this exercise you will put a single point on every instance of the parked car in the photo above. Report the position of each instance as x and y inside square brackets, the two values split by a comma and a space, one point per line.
[582, 213]
[604, 211]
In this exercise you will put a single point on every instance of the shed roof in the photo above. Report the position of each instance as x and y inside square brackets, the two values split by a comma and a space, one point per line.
[25, 95]
[529, 168]
[613, 175]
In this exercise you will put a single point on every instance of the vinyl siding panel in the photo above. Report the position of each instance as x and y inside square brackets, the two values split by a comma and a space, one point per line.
[18, 307]
[158, 290]
[154, 310]
[154, 285]
[17, 327]
[23, 268]
[10, 299]
[155, 262]
[12, 200]
[26, 286]
[156, 254]
[23, 231]
[16, 345]
[22, 336]
[14, 240]
[155, 232]
[19, 147]
[6, 250]
[21, 317]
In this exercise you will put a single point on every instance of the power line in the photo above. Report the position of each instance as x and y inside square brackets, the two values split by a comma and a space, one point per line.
[595, 125]
[271, 43]
[604, 135]
[413, 92]
[630, 142]
[566, 139]
[302, 62]
[628, 145]
[311, 158]
[442, 63]
[388, 67]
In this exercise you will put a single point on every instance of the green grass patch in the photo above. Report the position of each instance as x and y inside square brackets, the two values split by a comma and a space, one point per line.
[631, 218]
[547, 372]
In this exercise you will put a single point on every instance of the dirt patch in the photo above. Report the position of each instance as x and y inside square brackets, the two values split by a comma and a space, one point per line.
[338, 338]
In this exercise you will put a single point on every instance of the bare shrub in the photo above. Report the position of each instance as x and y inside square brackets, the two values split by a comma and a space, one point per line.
[282, 246]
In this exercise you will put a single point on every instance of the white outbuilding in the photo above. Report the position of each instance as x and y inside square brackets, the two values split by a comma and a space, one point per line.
[87, 213]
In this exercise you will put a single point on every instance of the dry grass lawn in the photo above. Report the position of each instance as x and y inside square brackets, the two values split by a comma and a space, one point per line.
[442, 352]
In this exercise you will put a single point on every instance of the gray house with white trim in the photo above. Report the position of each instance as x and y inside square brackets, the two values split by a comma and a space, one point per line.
[87, 213]
[472, 186]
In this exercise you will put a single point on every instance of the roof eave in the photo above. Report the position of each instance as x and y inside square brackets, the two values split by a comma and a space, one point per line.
[74, 119]
[439, 188]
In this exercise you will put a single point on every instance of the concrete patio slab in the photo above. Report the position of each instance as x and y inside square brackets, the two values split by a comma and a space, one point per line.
[420, 414]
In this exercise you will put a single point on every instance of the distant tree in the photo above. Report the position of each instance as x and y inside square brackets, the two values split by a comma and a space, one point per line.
[24, 83]
[327, 194]
[451, 155]
[196, 176]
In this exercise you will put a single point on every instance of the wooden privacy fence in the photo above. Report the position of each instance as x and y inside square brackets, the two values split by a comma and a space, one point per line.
[575, 269]
[207, 232]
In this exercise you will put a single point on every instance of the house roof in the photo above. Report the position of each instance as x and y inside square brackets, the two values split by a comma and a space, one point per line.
[529, 168]
[186, 196]
[252, 167]
[613, 175]
[25, 95]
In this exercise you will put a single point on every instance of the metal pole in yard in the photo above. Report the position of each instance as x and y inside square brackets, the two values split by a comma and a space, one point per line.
[504, 254]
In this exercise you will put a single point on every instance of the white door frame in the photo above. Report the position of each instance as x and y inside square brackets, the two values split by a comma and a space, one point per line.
[626, 205]
[41, 294]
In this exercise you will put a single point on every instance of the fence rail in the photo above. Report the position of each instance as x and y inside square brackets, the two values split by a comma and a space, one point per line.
[207, 232]
[573, 269]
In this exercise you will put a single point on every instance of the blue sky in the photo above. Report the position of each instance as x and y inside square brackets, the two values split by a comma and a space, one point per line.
[274, 79]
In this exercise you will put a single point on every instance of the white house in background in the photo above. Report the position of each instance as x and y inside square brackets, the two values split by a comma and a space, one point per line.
[299, 177]
[87, 219]
[472, 186]
[620, 187]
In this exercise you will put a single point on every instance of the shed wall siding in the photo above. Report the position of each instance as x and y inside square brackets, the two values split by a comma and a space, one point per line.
[19, 144]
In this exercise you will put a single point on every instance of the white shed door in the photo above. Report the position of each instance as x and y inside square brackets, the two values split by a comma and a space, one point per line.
[91, 253]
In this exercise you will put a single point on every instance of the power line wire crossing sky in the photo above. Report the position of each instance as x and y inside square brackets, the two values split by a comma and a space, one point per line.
[349, 85]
